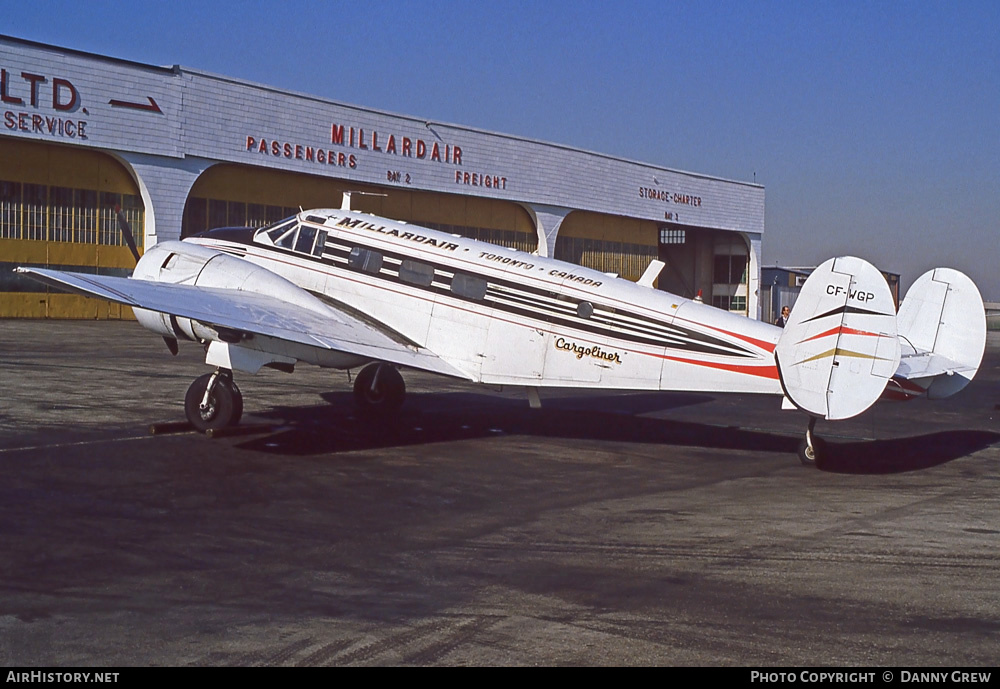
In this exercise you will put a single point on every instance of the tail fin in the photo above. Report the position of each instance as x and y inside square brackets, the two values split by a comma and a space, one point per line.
[942, 330]
[839, 348]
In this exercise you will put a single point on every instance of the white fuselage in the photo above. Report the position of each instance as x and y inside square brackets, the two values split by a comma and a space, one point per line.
[507, 317]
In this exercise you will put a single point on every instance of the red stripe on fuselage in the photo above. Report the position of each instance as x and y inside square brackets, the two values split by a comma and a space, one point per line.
[762, 371]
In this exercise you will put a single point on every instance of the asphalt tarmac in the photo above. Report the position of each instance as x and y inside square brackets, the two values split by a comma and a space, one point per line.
[622, 529]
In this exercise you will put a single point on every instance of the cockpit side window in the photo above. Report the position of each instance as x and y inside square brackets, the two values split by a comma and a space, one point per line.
[320, 243]
[306, 239]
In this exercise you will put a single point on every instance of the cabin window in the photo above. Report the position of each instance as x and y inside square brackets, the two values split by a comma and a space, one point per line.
[365, 260]
[584, 309]
[468, 286]
[416, 273]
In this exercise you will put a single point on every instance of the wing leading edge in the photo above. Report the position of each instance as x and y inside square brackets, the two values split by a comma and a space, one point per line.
[321, 325]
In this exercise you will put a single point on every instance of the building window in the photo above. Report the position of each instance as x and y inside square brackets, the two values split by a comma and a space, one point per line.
[730, 274]
[195, 217]
[256, 217]
[62, 214]
[730, 270]
[217, 213]
[672, 235]
[35, 205]
[618, 258]
[85, 212]
[275, 213]
[512, 239]
[10, 210]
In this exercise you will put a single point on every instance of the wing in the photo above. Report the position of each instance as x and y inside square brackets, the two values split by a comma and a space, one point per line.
[310, 322]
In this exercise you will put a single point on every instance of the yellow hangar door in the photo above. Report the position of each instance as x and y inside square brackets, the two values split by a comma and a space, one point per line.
[57, 209]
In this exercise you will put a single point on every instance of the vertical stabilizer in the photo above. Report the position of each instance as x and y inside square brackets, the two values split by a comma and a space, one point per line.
[942, 329]
[839, 348]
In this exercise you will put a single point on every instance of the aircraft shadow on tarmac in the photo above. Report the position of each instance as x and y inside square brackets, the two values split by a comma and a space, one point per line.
[442, 417]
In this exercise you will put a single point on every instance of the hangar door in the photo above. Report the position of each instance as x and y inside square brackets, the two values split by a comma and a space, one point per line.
[57, 209]
[245, 196]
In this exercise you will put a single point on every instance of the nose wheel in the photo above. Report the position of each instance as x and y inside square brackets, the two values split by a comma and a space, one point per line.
[379, 389]
[214, 401]
[812, 450]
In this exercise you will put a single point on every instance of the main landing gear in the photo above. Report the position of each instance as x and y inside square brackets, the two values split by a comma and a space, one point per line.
[214, 401]
[379, 390]
[812, 450]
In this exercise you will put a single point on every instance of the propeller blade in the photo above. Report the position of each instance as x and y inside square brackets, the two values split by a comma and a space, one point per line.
[171, 343]
[127, 232]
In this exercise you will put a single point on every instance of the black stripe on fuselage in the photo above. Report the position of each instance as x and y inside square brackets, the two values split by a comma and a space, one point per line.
[670, 335]
[524, 300]
[649, 331]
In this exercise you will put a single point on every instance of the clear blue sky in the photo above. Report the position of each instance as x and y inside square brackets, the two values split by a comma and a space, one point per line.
[872, 125]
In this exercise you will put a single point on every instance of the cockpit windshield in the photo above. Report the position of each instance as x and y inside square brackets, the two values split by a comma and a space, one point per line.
[276, 230]
[291, 234]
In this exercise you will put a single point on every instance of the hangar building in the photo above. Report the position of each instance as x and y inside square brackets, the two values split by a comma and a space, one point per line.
[182, 150]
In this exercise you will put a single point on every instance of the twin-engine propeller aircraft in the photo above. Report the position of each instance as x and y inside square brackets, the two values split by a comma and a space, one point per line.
[340, 289]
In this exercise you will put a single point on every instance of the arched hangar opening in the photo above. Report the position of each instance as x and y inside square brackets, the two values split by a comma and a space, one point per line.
[57, 209]
[229, 195]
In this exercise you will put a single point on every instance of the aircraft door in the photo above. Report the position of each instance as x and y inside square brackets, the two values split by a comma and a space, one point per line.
[515, 343]
[460, 322]
[515, 351]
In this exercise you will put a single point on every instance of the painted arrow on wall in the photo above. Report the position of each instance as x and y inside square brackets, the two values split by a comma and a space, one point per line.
[151, 106]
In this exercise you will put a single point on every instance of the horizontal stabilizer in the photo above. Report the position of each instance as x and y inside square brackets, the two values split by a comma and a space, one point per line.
[839, 348]
[942, 330]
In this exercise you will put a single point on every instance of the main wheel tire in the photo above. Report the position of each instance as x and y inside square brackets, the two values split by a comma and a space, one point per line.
[812, 457]
[379, 389]
[237, 402]
[222, 403]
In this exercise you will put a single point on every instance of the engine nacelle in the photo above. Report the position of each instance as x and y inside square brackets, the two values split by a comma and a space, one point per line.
[186, 263]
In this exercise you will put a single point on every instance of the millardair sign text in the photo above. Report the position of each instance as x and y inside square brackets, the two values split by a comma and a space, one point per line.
[389, 143]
